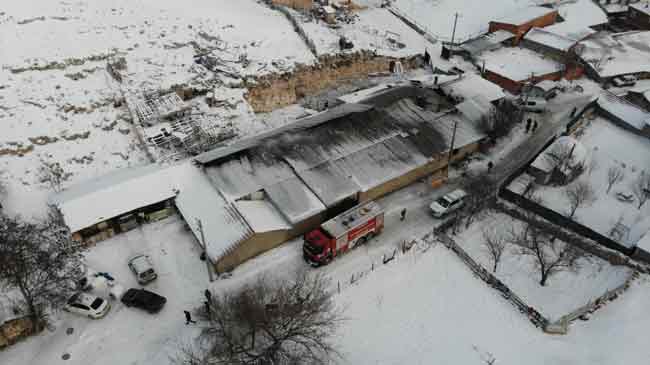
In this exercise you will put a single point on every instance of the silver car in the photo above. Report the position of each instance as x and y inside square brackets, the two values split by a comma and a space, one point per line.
[143, 269]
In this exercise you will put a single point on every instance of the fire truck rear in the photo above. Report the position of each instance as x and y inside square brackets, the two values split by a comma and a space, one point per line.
[342, 233]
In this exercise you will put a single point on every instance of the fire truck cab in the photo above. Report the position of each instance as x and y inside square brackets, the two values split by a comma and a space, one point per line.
[342, 233]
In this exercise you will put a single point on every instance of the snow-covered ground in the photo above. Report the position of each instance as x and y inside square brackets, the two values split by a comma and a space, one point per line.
[564, 291]
[432, 310]
[607, 145]
[374, 29]
[56, 99]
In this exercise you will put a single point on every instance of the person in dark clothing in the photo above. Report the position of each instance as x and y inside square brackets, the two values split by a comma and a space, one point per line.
[208, 295]
[534, 125]
[528, 124]
[188, 318]
[427, 57]
[402, 214]
[490, 166]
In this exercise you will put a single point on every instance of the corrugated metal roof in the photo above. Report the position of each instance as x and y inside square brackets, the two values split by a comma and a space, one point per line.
[294, 200]
[330, 182]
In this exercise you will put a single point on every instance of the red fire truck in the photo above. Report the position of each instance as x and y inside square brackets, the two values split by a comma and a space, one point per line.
[343, 232]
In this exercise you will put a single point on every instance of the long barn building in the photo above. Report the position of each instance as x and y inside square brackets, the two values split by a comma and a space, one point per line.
[250, 196]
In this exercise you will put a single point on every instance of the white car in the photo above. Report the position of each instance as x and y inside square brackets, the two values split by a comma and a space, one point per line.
[535, 105]
[448, 203]
[143, 269]
[87, 305]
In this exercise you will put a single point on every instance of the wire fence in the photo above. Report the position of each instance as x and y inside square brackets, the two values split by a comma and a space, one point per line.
[415, 246]
[532, 314]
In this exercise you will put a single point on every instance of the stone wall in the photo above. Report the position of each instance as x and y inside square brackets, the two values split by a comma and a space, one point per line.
[270, 92]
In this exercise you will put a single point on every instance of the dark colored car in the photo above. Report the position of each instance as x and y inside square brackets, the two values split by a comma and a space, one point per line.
[144, 299]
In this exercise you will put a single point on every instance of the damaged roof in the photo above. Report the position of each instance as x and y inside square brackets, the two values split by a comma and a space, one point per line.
[302, 170]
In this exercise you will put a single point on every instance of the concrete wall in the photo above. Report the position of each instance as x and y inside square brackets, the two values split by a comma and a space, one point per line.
[438, 163]
[519, 30]
[262, 242]
[255, 245]
[273, 91]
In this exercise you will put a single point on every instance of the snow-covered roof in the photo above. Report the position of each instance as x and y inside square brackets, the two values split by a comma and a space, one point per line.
[549, 39]
[642, 7]
[564, 144]
[300, 124]
[519, 64]
[360, 95]
[304, 170]
[624, 110]
[615, 8]
[570, 31]
[471, 85]
[198, 201]
[92, 202]
[475, 108]
[524, 15]
[582, 13]
[486, 42]
[618, 54]
[261, 215]
[547, 85]
[295, 201]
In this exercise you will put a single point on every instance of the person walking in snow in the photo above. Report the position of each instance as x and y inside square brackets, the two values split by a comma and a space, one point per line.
[427, 57]
[534, 125]
[528, 124]
[490, 165]
[208, 295]
[188, 318]
[402, 215]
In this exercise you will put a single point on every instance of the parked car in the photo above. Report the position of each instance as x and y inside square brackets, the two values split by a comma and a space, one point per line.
[143, 269]
[532, 105]
[144, 299]
[448, 203]
[625, 80]
[87, 305]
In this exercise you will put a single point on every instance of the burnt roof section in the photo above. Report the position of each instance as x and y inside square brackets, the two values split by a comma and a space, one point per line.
[350, 153]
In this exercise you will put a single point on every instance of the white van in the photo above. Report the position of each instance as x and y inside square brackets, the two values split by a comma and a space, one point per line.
[448, 203]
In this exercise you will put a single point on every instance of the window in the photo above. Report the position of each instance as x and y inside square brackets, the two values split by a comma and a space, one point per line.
[96, 303]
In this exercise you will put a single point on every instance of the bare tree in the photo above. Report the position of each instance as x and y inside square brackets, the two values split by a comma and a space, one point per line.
[496, 244]
[39, 261]
[53, 174]
[615, 174]
[578, 194]
[500, 120]
[551, 256]
[561, 156]
[481, 192]
[641, 188]
[264, 323]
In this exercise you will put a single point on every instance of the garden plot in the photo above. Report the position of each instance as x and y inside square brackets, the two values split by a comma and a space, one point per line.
[608, 146]
[565, 290]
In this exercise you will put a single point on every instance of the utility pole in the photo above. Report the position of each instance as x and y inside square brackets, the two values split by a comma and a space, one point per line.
[205, 249]
[451, 148]
[453, 32]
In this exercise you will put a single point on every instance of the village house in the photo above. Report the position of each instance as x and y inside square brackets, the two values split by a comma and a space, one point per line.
[606, 57]
[639, 96]
[624, 113]
[513, 68]
[520, 22]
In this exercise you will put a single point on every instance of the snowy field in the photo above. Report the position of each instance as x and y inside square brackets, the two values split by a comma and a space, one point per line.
[375, 29]
[56, 99]
[608, 145]
[432, 310]
[564, 291]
